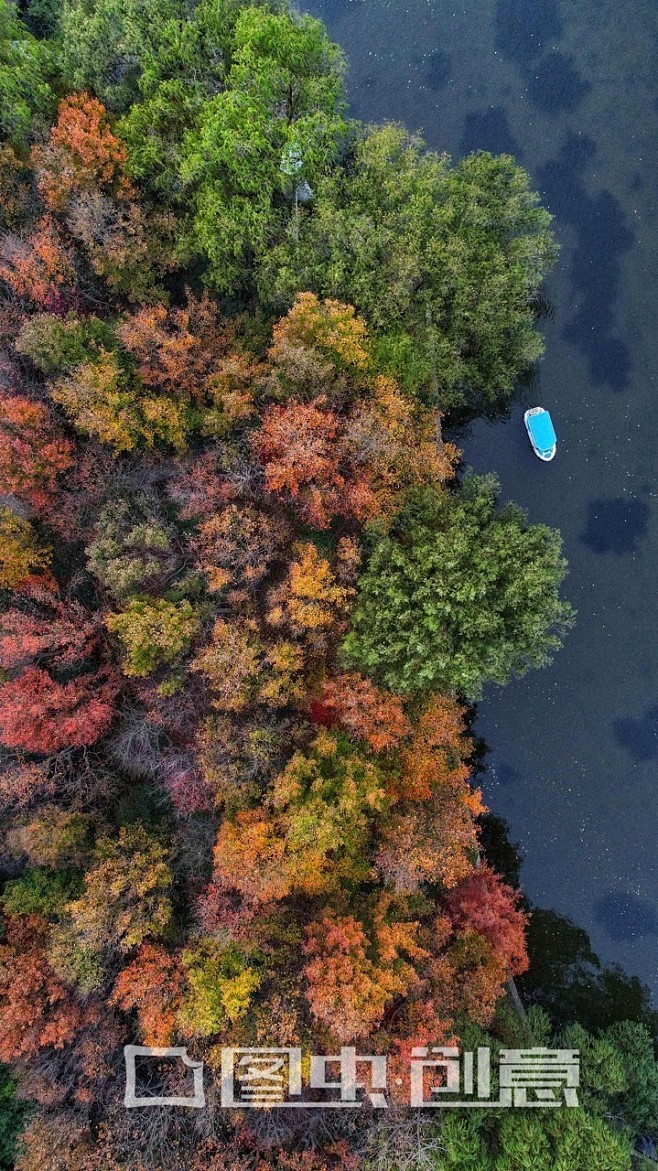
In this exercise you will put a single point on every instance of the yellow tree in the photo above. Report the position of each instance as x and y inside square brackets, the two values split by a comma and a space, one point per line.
[20, 554]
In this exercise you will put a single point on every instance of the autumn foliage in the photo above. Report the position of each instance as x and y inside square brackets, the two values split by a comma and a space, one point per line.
[20, 554]
[351, 463]
[347, 991]
[219, 833]
[37, 1010]
[82, 154]
[39, 714]
[335, 330]
[484, 903]
[151, 984]
[38, 269]
[362, 710]
[32, 454]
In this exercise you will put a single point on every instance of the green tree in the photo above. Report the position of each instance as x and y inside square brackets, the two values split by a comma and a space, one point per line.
[563, 1140]
[627, 1086]
[41, 16]
[12, 1118]
[132, 548]
[276, 124]
[444, 262]
[177, 75]
[105, 44]
[459, 593]
[518, 1140]
[41, 892]
[57, 344]
[127, 50]
[27, 70]
[617, 1106]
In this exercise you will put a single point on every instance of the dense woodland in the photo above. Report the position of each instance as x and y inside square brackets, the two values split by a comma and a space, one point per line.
[247, 597]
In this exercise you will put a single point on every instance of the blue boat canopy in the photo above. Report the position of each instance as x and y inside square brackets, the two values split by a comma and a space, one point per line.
[542, 431]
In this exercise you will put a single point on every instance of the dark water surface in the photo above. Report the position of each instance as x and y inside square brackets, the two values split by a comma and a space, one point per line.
[571, 88]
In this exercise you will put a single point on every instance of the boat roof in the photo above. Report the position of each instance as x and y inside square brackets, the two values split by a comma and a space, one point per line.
[542, 430]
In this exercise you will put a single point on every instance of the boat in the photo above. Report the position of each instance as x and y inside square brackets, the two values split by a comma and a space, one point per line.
[541, 433]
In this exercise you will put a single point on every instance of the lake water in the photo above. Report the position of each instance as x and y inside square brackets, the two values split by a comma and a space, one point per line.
[571, 89]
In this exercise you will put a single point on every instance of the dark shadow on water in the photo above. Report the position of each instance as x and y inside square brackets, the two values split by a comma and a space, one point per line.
[497, 848]
[603, 238]
[460, 420]
[615, 526]
[566, 976]
[543, 307]
[625, 916]
[639, 738]
[610, 362]
[438, 71]
[488, 130]
[524, 27]
[555, 85]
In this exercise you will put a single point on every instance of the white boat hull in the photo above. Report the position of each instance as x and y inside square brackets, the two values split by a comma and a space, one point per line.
[545, 456]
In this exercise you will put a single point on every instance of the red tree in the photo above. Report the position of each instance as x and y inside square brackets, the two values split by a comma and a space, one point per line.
[38, 714]
[198, 488]
[484, 903]
[186, 354]
[62, 636]
[177, 350]
[347, 991]
[152, 984]
[39, 268]
[364, 711]
[32, 455]
[188, 791]
[36, 1009]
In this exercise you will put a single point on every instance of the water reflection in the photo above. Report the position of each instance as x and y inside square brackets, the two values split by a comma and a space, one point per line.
[438, 71]
[615, 526]
[555, 85]
[489, 130]
[639, 738]
[523, 27]
[602, 239]
[625, 916]
[505, 773]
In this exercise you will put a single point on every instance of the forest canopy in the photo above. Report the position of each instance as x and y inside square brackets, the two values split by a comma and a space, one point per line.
[245, 596]
[233, 119]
